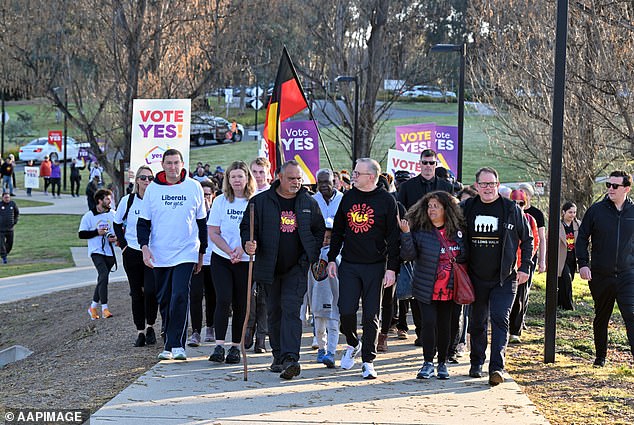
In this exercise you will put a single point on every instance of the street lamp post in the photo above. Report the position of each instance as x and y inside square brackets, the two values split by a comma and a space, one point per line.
[355, 133]
[65, 131]
[2, 116]
[462, 49]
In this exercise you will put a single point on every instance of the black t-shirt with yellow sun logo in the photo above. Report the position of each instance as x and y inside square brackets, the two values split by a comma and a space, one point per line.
[366, 226]
[290, 246]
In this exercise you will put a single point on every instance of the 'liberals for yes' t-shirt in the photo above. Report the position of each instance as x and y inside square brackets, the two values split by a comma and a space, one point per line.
[485, 230]
[290, 247]
[228, 215]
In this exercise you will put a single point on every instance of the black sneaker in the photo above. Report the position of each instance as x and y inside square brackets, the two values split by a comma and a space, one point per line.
[233, 356]
[291, 369]
[150, 336]
[418, 342]
[218, 355]
[276, 366]
[140, 340]
[475, 371]
[452, 359]
[599, 362]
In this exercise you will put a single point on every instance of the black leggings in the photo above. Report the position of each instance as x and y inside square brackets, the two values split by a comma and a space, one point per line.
[230, 283]
[387, 305]
[142, 288]
[564, 284]
[436, 332]
[202, 285]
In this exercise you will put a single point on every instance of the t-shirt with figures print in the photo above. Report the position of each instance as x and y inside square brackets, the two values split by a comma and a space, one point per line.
[485, 239]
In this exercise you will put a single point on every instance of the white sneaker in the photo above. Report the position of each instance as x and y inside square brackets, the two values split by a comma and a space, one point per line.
[165, 355]
[179, 353]
[367, 371]
[315, 344]
[515, 339]
[209, 335]
[347, 359]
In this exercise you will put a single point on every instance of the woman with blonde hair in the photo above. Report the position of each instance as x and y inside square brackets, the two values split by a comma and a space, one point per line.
[140, 276]
[229, 262]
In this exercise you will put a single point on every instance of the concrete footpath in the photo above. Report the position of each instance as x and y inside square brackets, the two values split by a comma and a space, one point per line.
[198, 391]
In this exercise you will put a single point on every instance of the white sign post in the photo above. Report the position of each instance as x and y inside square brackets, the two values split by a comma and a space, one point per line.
[159, 125]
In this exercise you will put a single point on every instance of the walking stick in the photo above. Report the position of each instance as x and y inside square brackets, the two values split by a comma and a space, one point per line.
[249, 295]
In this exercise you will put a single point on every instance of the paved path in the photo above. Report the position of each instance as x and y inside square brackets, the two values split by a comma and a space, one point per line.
[198, 391]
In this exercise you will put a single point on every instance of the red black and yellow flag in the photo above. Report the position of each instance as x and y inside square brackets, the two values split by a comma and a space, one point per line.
[287, 100]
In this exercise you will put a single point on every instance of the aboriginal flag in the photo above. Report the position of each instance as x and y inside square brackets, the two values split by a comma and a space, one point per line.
[287, 100]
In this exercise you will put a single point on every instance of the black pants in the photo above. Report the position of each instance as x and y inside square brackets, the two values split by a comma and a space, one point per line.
[6, 242]
[55, 183]
[202, 286]
[258, 318]
[103, 264]
[361, 281]
[520, 304]
[47, 182]
[605, 290]
[564, 284]
[284, 298]
[403, 309]
[142, 288]
[172, 292]
[387, 308]
[74, 185]
[436, 319]
[457, 327]
[230, 282]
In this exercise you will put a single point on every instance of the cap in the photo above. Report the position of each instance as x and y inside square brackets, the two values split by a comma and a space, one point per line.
[518, 195]
[219, 169]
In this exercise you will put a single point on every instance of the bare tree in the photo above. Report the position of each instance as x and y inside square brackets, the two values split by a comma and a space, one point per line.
[512, 68]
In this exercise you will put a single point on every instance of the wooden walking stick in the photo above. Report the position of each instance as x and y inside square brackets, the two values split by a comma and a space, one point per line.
[249, 296]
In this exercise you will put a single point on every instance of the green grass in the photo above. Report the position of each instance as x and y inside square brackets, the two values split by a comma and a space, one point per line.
[24, 203]
[42, 242]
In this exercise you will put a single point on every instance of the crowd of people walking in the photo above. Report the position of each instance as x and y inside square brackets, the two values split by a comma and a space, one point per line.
[327, 250]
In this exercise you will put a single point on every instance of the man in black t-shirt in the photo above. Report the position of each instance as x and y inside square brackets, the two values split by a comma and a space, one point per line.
[288, 232]
[496, 227]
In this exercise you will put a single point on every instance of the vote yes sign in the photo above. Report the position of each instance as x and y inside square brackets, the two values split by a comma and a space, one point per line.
[415, 138]
[300, 141]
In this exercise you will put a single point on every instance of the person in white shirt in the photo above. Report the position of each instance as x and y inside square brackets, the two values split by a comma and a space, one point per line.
[261, 170]
[96, 226]
[328, 198]
[173, 238]
[140, 276]
[228, 260]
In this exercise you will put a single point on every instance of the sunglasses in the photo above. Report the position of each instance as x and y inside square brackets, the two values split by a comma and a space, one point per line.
[520, 203]
[428, 162]
[144, 178]
[613, 185]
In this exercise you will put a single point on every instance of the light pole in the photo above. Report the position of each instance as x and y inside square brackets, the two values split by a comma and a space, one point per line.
[355, 133]
[462, 49]
[2, 116]
[57, 89]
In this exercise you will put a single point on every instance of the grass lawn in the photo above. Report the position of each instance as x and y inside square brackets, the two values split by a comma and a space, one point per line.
[42, 242]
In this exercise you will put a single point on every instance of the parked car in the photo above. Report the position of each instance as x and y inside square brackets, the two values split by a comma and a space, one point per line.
[38, 148]
[428, 91]
[206, 128]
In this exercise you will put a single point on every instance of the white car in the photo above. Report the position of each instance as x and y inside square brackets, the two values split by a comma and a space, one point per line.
[38, 148]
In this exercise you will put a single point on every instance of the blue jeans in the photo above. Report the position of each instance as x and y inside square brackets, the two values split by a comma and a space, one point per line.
[7, 184]
[172, 286]
[495, 300]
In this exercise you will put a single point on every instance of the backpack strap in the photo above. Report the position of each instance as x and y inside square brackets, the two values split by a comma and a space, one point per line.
[128, 206]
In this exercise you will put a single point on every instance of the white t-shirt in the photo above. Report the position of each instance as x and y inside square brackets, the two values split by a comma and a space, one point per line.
[228, 215]
[173, 211]
[131, 219]
[98, 244]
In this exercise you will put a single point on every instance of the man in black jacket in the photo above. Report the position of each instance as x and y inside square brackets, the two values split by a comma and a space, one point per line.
[496, 227]
[9, 215]
[609, 225]
[366, 226]
[288, 235]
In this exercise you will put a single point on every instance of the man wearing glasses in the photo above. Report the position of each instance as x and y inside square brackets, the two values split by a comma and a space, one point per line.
[496, 228]
[366, 226]
[609, 226]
